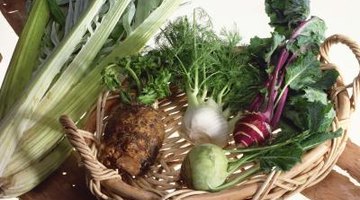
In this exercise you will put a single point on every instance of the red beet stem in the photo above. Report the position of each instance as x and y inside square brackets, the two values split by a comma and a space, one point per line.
[256, 127]
[273, 89]
[279, 109]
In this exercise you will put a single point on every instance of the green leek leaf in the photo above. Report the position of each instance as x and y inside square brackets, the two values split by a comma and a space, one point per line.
[24, 59]
[56, 12]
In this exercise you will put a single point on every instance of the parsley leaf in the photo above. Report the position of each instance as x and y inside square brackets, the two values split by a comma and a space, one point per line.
[111, 77]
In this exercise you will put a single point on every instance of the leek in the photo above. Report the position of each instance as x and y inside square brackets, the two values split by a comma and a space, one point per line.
[24, 59]
[81, 64]
[46, 132]
[30, 133]
[31, 97]
[24, 180]
[73, 74]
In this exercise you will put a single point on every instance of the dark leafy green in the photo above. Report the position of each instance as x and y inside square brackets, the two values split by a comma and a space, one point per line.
[286, 156]
[315, 116]
[314, 94]
[309, 36]
[277, 40]
[303, 72]
[281, 158]
[256, 53]
[56, 12]
[301, 107]
[319, 138]
[327, 80]
[286, 15]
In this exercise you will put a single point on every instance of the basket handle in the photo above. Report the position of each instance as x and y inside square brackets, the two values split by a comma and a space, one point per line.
[355, 48]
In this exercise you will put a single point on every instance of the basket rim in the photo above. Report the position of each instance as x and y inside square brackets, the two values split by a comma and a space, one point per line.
[315, 165]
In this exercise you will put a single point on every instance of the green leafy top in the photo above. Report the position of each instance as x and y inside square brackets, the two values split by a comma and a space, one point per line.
[206, 65]
[307, 37]
[286, 15]
[308, 113]
[192, 48]
[136, 12]
[191, 56]
[147, 76]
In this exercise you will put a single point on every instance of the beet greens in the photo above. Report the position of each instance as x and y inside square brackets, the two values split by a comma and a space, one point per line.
[291, 64]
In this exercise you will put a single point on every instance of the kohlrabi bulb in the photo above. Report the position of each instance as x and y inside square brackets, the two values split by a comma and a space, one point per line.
[205, 167]
[206, 123]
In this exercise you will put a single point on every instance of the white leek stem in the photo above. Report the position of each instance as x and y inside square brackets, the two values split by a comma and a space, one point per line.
[84, 94]
[18, 119]
[23, 181]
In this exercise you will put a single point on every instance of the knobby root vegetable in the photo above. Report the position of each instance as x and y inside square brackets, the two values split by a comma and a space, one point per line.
[132, 139]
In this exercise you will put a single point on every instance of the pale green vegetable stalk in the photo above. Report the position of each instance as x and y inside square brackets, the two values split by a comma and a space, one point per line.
[25, 56]
[24, 180]
[39, 138]
[45, 132]
[23, 110]
[83, 60]
[72, 75]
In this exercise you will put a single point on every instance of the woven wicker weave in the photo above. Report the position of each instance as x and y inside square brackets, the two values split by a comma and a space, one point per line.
[161, 182]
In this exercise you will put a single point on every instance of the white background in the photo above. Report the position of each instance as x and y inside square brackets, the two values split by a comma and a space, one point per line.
[249, 18]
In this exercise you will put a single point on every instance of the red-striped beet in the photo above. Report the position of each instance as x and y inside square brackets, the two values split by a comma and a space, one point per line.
[266, 109]
[250, 129]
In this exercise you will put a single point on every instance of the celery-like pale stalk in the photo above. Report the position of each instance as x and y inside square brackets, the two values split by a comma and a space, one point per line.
[24, 180]
[25, 57]
[72, 75]
[144, 32]
[81, 64]
[84, 94]
[18, 119]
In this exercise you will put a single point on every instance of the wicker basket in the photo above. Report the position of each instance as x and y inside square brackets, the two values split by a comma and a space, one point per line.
[162, 180]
